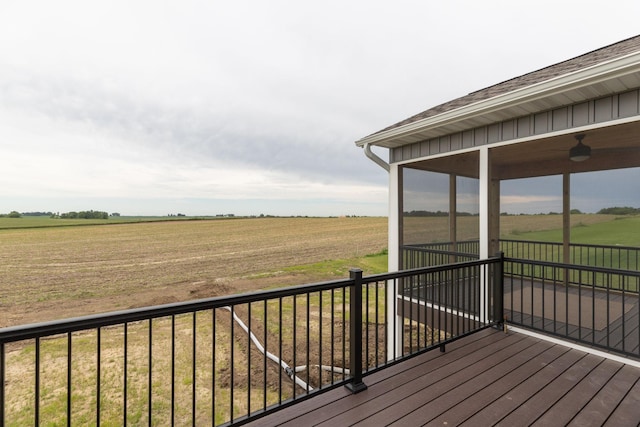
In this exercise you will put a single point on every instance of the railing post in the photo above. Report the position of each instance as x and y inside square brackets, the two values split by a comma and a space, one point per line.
[355, 332]
[498, 290]
[2, 383]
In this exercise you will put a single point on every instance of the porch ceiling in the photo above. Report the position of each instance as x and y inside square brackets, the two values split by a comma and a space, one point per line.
[465, 164]
[612, 147]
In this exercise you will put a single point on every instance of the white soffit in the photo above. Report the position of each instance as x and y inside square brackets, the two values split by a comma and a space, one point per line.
[614, 76]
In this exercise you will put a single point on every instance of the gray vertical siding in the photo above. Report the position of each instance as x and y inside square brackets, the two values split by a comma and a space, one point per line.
[599, 110]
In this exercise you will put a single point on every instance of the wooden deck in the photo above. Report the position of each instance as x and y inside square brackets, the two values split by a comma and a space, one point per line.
[487, 378]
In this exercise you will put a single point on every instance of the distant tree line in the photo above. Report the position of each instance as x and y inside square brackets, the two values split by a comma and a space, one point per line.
[37, 213]
[620, 211]
[606, 211]
[12, 214]
[82, 215]
[436, 213]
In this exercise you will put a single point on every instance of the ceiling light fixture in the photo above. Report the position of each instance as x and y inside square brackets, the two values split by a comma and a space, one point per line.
[580, 152]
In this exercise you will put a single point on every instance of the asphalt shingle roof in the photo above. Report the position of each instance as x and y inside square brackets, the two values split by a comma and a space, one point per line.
[604, 54]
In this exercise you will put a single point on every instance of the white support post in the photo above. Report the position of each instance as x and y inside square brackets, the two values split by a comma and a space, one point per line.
[394, 218]
[484, 208]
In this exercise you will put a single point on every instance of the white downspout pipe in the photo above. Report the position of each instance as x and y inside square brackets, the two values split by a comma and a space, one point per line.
[393, 320]
[373, 156]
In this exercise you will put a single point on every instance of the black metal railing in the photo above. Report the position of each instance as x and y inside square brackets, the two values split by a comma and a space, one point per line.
[606, 256]
[231, 359]
[598, 306]
[441, 253]
[593, 300]
[598, 256]
[442, 303]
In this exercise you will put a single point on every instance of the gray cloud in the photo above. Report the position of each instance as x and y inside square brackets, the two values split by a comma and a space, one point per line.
[196, 134]
[144, 96]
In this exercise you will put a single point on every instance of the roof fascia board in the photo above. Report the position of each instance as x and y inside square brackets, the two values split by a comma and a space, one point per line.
[606, 70]
[572, 131]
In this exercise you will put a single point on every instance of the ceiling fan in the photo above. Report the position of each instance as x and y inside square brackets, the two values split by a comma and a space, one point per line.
[581, 152]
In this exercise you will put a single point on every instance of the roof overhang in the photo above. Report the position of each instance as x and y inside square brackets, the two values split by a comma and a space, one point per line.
[615, 146]
[606, 78]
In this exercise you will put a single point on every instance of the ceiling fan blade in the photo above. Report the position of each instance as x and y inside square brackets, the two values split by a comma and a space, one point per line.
[614, 149]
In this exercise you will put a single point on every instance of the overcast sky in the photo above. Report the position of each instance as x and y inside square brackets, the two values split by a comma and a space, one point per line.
[249, 107]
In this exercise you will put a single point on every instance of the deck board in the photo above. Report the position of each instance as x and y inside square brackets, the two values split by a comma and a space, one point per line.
[572, 403]
[519, 395]
[427, 389]
[531, 407]
[610, 396]
[395, 377]
[482, 379]
[626, 413]
[473, 403]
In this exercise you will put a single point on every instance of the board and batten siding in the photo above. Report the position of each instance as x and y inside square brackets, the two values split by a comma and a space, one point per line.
[600, 110]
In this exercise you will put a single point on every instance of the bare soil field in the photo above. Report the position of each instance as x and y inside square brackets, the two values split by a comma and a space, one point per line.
[61, 272]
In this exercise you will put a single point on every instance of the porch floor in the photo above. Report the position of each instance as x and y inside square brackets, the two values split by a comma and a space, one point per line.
[483, 379]
[590, 316]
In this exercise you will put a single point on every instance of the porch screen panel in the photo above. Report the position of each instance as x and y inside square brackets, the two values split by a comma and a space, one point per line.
[610, 192]
[531, 223]
[605, 219]
[531, 208]
[425, 216]
[467, 213]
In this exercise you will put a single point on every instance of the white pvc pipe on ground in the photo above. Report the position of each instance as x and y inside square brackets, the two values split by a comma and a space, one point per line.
[289, 371]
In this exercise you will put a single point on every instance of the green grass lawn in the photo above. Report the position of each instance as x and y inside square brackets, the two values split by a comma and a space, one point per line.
[370, 264]
[622, 231]
[619, 233]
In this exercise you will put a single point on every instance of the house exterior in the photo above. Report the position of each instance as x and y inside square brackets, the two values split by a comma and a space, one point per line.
[505, 132]
[580, 115]
[560, 304]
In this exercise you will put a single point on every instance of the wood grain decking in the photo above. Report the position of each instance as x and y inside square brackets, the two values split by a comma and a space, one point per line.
[487, 378]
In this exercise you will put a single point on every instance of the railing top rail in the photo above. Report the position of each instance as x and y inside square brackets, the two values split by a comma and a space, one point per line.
[60, 326]
[587, 245]
[459, 242]
[439, 251]
[583, 245]
[426, 270]
[574, 267]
